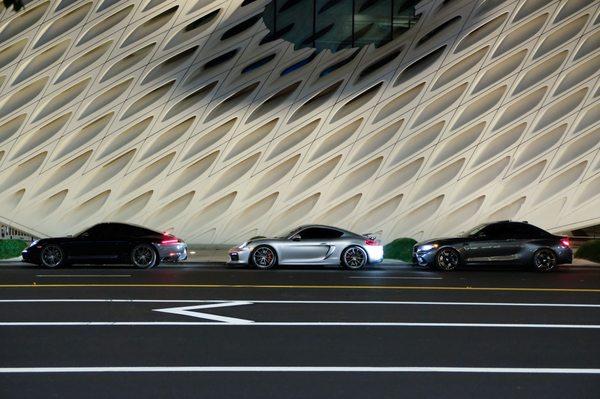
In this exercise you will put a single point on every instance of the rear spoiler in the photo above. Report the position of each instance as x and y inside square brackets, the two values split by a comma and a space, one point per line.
[370, 236]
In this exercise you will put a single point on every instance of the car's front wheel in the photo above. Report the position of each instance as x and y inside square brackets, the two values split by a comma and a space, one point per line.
[52, 256]
[263, 257]
[447, 259]
[143, 256]
[544, 260]
[354, 258]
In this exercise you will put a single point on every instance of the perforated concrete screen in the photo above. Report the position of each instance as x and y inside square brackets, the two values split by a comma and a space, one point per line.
[184, 115]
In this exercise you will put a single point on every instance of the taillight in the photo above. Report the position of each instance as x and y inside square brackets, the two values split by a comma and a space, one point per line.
[169, 240]
[565, 242]
[372, 242]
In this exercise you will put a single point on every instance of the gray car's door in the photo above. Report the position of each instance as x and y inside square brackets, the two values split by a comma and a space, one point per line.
[311, 245]
[493, 244]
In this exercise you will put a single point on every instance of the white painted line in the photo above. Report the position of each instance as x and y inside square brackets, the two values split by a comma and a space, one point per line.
[398, 278]
[82, 275]
[290, 324]
[189, 311]
[297, 369]
[424, 303]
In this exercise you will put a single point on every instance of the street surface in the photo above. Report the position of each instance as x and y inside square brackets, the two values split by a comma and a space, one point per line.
[205, 330]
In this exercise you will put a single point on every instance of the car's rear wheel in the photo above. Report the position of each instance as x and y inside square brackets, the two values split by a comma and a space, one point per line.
[447, 259]
[263, 257]
[52, 256]
[143, 256]
[544, 260]
[354, 258]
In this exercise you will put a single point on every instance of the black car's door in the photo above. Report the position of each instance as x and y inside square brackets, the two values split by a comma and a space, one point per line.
[496, 243]
[99, 244]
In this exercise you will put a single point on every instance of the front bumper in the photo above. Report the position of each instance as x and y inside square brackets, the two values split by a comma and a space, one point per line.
[239, 256]
[31, 255]
[423, 258]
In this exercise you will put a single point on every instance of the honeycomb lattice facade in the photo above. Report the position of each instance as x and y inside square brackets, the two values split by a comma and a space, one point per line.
[180, 114]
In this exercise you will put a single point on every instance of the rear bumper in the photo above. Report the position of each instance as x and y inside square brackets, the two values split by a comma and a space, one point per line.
[375, 253]
[564, 255]
[172, 253]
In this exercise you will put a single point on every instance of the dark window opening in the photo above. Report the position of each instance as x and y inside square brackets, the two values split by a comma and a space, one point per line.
[299, 64]
[239, 28]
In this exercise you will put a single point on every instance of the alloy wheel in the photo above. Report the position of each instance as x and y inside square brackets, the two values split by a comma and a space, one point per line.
[448, 259]
[143, 256]
[263, 257]
[354, 258]
[51, 256]
[544, 260]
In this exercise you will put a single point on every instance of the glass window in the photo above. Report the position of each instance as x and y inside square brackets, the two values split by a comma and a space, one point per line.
[338, 24]
[372, 22]
[319, 233]
[337, 13]
[98, 231]
[495, 231]
[524, 230]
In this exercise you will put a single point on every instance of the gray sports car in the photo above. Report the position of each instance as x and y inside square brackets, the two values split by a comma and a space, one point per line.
[309, 245]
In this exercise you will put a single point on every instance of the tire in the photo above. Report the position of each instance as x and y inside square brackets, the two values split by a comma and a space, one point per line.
[263, 257]
[354, 258]
[447, 259]
[144, 256]
[544, 260]
[52, 256]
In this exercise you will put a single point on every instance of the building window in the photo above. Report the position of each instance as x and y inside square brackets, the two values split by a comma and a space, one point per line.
[338, 24]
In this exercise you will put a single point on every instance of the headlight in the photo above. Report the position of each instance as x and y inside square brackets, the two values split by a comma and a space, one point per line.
[243, 246]
[428, 247]
[33, 243]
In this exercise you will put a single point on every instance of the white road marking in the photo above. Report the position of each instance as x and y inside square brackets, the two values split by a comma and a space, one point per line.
[397, 278]
[297, 369]
[189, 311]
[247, 323]
[424, 303]
[82, 275]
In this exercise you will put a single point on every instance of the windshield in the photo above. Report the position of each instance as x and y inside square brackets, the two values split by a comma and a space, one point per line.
[291, 232]
[473, 231]
[81, 232]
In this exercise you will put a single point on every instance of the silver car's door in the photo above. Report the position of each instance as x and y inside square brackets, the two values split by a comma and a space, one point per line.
[311, 245]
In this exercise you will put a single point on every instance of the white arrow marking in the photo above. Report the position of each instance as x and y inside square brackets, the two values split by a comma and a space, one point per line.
[189, 311]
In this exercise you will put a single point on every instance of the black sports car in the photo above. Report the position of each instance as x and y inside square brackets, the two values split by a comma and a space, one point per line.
[503, 242]
[107, 243]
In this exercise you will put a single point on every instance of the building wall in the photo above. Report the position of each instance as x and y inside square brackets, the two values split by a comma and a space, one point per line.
[158, 113]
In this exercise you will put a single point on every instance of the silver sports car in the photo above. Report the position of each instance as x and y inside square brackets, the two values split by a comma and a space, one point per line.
[309, 245]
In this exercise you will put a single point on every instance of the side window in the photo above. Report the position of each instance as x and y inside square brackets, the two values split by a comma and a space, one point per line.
[496, 231]
[317, 233]
[529, 231]
[99, 231]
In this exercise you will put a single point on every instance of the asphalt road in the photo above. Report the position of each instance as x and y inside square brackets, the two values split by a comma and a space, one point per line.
[208, 331]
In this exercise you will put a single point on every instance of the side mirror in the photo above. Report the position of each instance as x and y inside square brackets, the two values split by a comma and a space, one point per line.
[296, 237]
